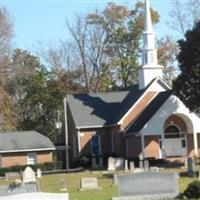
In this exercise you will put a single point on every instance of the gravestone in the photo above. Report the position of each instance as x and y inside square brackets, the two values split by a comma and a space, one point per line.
[119, 163]
[146, 165]
[154, 169]
[89, 183]
[63, 185]
[94, 163]
[132, 165]
[126, 165]
[138, 170]
[28, 175]
[199, 175]
[111, 164]
[12, 175]
[141, 164]
[97, 163]
[13, 189]
[115, 180]
[101, 162]
[39, 173]
[190, 167]
[147, 185]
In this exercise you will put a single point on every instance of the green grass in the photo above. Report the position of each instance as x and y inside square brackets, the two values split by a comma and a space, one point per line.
[52, 183]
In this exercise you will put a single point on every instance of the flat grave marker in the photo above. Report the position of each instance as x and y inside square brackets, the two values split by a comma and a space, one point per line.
[89, 183]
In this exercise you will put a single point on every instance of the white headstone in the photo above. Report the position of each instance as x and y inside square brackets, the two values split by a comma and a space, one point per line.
[28, 175]
[89, 183]
[138, 170]
[126, 165]
[119, 163]
[154, 169]
[39, 173]
[111, 164]
[132, 165]
[63, 185]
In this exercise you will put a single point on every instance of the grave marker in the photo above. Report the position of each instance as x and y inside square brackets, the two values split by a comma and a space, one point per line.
[190, 167]
[28, 175]
[147, 185]
[89, 183]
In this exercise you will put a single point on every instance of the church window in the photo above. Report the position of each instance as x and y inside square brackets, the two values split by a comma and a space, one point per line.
[95, 145]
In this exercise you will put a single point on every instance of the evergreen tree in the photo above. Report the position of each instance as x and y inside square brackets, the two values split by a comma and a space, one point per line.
[187, 84]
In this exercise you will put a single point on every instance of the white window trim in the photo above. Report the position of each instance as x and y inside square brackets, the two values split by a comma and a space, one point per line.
[31, 158]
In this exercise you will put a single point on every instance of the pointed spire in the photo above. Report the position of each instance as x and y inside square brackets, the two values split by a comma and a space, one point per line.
[150, 68]
[147, 21]
[149, 51]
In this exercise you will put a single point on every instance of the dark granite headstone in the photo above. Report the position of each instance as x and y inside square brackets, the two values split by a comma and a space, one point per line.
[190, 167]
[147, 184]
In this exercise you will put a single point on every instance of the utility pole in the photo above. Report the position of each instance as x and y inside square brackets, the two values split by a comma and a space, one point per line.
[66, 133]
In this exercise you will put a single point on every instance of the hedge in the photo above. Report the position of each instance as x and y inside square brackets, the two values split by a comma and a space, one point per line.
[48, 166]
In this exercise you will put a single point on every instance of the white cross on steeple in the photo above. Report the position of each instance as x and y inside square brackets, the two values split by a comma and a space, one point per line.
[150, 68]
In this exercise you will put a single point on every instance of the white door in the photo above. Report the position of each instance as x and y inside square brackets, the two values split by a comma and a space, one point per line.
[175, 146]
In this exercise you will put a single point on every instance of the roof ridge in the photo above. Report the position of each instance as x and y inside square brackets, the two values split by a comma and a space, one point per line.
[106, 92]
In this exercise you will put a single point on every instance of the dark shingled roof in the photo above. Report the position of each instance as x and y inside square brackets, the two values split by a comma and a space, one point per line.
[101, 109]
[149, 111]
[24, 140]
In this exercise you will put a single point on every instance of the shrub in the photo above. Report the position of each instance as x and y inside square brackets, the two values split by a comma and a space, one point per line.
[193, 190]
[48, 166]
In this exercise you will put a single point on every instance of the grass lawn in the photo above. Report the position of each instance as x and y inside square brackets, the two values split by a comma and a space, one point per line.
[52, 183]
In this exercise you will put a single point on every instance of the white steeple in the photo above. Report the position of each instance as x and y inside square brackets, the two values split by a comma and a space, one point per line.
[150, 68]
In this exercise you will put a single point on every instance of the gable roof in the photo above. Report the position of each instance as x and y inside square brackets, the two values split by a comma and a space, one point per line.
[101, 109]
[24, 141]
[149, 111]
[95, 110]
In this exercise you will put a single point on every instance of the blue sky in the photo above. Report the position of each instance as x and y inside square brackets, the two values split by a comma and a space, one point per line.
[44, 20]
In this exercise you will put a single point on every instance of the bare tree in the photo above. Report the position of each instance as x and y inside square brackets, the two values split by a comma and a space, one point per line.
[167, 53]
[184, 15]
[79, 33]
[90, 40]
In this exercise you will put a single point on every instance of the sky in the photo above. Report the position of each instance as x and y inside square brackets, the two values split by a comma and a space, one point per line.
[44, 21]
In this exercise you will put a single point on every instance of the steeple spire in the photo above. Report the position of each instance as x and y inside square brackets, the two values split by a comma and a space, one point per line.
[147, 21]
[149, 53]
[150, 68]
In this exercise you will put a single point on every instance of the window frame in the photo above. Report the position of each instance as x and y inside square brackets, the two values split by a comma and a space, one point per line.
[31, 158]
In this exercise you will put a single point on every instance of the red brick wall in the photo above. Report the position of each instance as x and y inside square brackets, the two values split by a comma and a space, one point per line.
[152, 146]
[105, 138]
[134, 147]
[11, 159]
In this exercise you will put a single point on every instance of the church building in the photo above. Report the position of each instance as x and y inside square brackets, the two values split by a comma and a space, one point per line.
[146, 119]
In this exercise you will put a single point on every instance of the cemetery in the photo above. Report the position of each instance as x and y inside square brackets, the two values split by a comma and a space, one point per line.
[119, 180]
[139, 143]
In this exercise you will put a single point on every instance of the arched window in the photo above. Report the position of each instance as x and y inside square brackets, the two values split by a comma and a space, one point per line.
[172, 131]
